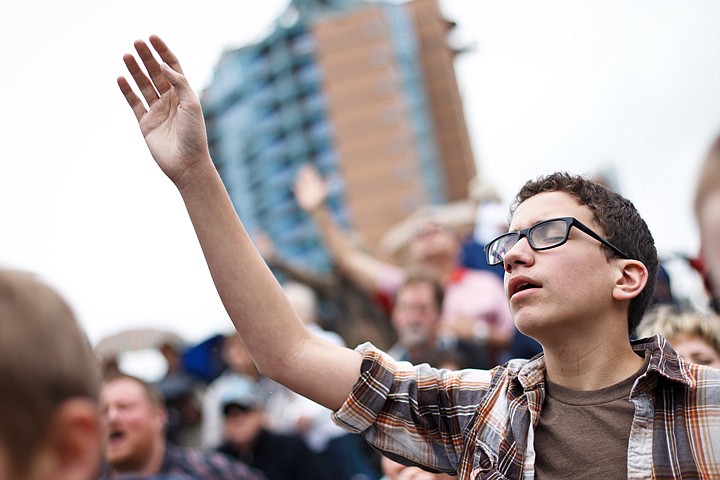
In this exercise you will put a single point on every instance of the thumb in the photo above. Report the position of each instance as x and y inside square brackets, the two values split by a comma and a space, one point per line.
[177, 80]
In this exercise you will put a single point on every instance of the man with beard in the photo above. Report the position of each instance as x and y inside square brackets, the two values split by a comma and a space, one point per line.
[134, 418]
[416, 317]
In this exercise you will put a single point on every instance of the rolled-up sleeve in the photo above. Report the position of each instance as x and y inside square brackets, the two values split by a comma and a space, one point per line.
[413, 413]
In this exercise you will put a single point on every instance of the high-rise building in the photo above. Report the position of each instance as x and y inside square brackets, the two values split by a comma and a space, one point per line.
[366, 92]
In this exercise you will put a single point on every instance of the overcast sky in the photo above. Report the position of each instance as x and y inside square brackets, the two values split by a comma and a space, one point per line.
[632, 85]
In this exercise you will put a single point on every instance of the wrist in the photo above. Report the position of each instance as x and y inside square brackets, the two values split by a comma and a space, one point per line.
[195, 174]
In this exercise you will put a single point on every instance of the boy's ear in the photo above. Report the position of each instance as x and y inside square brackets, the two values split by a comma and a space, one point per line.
[73, 445]
[631, 281]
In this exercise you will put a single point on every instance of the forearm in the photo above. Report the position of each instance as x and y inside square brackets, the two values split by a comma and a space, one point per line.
[358, 265]
[315, 281]
[273, 334]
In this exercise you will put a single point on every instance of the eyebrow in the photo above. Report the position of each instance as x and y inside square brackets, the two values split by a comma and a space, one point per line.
[532, 224]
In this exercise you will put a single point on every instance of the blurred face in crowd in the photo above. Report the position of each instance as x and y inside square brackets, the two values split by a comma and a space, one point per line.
[237, 357]
[134, 425]
[242, 425]
[416, 315]
[432, 243]
[694, 349]
[709, 220]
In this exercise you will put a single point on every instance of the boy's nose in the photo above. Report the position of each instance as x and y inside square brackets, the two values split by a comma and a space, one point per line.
[519, 254]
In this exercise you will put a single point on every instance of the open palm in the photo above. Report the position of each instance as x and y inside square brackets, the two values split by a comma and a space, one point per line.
[310, 188]
[172, 123]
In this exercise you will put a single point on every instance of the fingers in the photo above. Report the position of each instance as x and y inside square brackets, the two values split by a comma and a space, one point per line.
[141, 80]
[165, 54]
[179, 84]
[152, 66]
[159, 80]
[155, 82]
[137, 106]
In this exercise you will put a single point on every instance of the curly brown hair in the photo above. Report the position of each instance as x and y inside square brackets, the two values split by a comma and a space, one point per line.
[619, 220]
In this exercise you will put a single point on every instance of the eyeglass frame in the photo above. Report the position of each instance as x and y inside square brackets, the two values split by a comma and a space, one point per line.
[569, 222]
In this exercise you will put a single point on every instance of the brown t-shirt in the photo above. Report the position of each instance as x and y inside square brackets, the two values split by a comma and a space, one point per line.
[585, 434]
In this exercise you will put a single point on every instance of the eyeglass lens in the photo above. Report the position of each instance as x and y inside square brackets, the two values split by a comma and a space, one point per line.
[541, 236]
[548, 234]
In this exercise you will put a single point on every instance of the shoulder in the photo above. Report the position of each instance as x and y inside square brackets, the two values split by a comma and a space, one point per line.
[381, 374]
[704, 379]
[675, 372]
[186, 458]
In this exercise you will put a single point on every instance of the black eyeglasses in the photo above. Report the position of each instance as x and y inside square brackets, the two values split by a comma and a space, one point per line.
[542, 236]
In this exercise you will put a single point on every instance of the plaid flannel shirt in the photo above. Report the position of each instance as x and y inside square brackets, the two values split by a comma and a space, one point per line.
[479, 424]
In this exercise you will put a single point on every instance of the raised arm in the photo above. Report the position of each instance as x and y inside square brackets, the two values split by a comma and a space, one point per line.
[172, 124]
[266, 247]
[362, 268]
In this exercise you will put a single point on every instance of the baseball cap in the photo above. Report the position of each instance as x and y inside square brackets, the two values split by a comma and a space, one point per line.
[242, 391]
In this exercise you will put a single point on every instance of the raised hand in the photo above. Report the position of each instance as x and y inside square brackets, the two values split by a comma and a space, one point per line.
[265, 245]
[171, 118]
[171, 121]
[310, 189]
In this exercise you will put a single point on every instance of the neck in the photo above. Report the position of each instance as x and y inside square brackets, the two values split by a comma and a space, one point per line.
[247, 446]
[592, 368]
[443, 266]
[150, 465]
[418, 345]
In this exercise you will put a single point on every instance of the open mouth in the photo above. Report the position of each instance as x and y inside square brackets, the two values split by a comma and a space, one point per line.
[525, 286]
[519, 285]
[115, 436]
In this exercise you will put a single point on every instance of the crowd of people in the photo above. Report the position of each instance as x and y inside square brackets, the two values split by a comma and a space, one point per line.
[566, 322]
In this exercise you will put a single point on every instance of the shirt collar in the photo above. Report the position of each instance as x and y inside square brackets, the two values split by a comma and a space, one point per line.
[664, 362]
[532, 374]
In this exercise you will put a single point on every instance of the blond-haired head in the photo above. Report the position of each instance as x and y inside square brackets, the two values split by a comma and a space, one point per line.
[695, 335]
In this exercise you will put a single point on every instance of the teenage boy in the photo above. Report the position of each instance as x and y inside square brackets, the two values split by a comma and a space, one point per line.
[579, 268]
